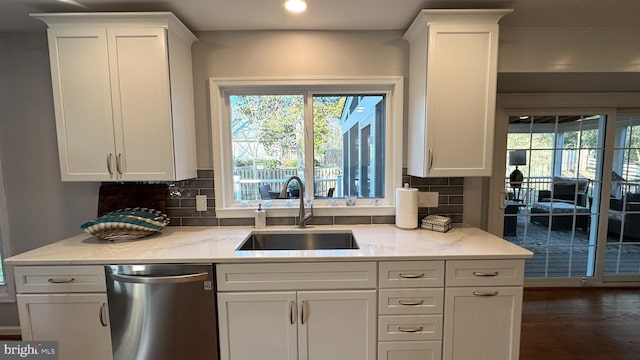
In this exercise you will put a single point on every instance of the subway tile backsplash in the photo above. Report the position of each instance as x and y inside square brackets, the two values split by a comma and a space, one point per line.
[181, 204]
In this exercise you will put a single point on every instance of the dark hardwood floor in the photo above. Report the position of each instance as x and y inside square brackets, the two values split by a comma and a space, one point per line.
[581, 323]
[576, 324]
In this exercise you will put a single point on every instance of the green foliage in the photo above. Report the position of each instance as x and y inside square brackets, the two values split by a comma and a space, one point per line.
[242, 163]
[269, 163]
[291, 164]
[276, 123]
[326, 110]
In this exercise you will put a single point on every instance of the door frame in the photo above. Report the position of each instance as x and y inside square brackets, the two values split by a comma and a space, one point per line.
[609, 104]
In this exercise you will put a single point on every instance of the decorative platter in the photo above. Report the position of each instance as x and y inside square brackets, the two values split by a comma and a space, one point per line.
[126, 224]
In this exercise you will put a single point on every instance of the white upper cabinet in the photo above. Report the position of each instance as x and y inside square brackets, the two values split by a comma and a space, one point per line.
[452, 92]
[123, 96]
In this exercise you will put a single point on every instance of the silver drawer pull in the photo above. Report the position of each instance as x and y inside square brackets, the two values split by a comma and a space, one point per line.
[119, 166]
[103, 317]
[411, 302]
[411, 276]
[292, 315]
[485, 274]
[480, 293]
[61, 281]
[109, 168]
[414, 329]
[303, 306]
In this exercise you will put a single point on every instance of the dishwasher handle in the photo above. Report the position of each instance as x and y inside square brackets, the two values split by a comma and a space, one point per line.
[141, 279]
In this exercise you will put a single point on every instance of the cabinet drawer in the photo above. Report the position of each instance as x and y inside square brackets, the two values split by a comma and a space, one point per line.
[58, 279]
[411, 274]
[409, 327]
[410, 301]
[296, 276]
[485, 272]
[410, 350]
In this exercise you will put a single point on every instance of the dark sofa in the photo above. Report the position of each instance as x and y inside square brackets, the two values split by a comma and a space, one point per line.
[568, 196]
[567, 190]
[630, 203]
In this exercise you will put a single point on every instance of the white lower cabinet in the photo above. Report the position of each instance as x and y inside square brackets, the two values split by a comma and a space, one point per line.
[410, 307]
[337, 325]
[387, 310]
[78, 322]
[309, 324]
[258, 325]
[482, 322]
[298, 325]
[62, 303]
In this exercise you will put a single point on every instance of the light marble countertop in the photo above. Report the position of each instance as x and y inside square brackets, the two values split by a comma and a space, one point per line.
[217, 244]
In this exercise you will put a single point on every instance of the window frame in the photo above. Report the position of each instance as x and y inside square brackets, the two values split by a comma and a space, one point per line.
[7, 290]
[220, 88]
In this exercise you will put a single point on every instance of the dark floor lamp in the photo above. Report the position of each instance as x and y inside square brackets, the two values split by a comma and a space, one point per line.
[517, 157]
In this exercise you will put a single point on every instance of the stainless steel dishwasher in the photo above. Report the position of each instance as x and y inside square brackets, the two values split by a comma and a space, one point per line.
[162, 311]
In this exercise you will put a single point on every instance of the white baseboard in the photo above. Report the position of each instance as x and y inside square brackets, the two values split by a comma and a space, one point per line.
[9, 330]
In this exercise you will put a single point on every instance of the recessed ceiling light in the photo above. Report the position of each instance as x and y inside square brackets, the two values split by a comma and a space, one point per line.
[295, 5]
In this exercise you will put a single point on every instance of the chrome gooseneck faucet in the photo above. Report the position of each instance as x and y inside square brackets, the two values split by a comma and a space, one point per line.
[303, 216]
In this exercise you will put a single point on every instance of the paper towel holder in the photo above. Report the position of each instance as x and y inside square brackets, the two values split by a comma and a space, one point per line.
[406, 207]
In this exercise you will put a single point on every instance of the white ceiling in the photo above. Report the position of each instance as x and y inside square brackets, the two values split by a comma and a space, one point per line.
[204, 15]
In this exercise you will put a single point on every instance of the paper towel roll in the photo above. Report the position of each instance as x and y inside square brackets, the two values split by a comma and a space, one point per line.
[407, 207]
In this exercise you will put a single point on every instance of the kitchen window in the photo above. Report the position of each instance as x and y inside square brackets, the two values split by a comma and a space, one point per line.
[341, 137]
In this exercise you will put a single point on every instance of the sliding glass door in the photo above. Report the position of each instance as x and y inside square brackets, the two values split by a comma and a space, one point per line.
[571, 194]
[622, 260]
[552, 185]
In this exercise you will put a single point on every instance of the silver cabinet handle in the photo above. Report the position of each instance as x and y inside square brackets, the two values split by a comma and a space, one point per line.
[481, 293]
[430, 159]
[292, 315]
[119, 163]
[414, 329]
[485, 274]
[103, 317]
[303, 305]
[61, 281]
[139, 279]
[110, 164]
[411, 302]
[411, 276]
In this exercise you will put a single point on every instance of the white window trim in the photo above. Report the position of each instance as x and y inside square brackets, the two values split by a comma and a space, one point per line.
[393, 86]
[7, 291]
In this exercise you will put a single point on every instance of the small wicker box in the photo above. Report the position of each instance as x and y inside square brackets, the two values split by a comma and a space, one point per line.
[436, 223]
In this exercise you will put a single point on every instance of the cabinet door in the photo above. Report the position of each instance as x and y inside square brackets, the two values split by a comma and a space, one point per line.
[461, 92]
[141, 103]
[482, 323]
[79, 322]
[82, 100]
[257, 325]
[337, 325]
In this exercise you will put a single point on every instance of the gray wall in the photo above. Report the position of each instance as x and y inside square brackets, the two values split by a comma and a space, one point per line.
[40, 207]
[289, 54]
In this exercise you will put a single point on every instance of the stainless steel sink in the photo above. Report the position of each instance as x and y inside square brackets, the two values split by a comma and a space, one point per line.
[299, 241]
